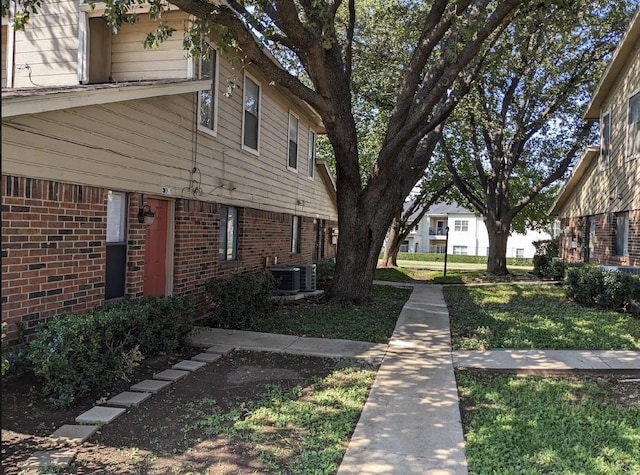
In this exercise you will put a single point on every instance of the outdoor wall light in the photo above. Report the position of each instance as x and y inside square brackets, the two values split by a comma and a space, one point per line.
[146, 216]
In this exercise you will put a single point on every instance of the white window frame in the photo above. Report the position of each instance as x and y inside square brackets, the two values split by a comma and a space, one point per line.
[312, 154]
[460, 250]
[297, 142]
[459, 225]
[215, 88]
[629, 128]
[296, 235]
[223, 248]
[605, 141]
[622, 221]
[519, 253]
[248, 76]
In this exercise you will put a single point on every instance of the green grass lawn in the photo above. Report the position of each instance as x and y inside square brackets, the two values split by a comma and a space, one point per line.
[373, 322]
[532, 425]
[533, 316]
[294, 431]
[456, 274]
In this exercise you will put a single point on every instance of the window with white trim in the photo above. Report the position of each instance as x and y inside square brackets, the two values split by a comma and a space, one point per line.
[633, 127]
[296, 234]
[460, 250]
[519, 253]
[312, 153]
[292, 161]
[461, 225]
[228, 249]
[251, 117]
[605, 140]
[622, 234]
[208, 98]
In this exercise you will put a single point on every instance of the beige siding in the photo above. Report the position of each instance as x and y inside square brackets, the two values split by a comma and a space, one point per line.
[617, 187]
[143, 145]
[131, 61]
[3, 53]
[48, 46]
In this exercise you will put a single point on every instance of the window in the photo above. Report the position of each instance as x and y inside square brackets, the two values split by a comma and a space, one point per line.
[460, 250]
[633, 127]
[622, 234]
[293, 142]
[116, 252]
[207, 99]
[461, 225]
[251, 119]
[296, 232]
[228, 233]
[519, 253]
[605, 140]
[312, 153]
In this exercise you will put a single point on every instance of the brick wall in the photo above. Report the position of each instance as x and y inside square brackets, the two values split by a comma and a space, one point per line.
[54, 248]
[604, 240]
[53, 255]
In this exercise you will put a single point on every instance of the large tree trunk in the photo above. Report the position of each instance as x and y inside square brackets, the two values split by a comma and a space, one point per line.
[498, 235]
[392, 245]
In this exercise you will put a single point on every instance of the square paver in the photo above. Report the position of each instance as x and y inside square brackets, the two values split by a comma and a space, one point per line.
[75, 433]
[150, 386]
[50, 458]
[207, 357]
[221, 349]
[100, 415]
[170, 374]
[188, 365]
[128, 398]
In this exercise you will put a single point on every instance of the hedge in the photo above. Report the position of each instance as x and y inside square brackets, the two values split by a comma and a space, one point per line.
[592, 287]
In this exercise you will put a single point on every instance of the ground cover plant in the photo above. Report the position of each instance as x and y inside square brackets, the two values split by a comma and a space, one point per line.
[373, 322]
[533, 316]
[567, 425]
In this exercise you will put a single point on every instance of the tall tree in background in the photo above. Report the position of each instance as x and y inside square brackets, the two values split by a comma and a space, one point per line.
[521, 127]
[444, 57]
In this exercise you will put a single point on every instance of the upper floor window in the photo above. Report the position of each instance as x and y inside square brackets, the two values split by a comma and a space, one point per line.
[251, 119]
[207, 99]
[461, 225]
[633, 127]
[312, 153]
[228, 249]
[605, 140]
[293, 142]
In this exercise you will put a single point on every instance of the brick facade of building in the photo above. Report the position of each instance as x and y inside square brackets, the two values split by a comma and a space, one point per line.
[54, 248]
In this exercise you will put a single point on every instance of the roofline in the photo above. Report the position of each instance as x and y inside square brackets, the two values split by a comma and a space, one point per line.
[579, 170]
[58, 99]
[611, 74]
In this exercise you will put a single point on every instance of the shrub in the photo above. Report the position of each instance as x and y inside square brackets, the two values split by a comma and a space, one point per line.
[76, 353]
[5, 360]
[546, 262]
[592, 287]
[325, 268]
[240, 299]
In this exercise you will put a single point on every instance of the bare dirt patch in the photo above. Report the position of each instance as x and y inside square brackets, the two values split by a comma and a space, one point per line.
[159, 436]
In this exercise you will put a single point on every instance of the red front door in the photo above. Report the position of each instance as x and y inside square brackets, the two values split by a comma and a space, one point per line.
[155, 253]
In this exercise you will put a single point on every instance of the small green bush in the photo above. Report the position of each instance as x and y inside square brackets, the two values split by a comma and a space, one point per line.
[240, 299]
[76, 353]
[546, 262]
[325, 268]
[593, 287]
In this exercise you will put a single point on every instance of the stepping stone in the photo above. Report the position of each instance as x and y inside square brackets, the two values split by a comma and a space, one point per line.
[128, 398]
[150, 386]
[188, 365]
[170, 374]
[75, 433]
[207, 357]
[100, 415]
[50, 458]
[221, 349]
